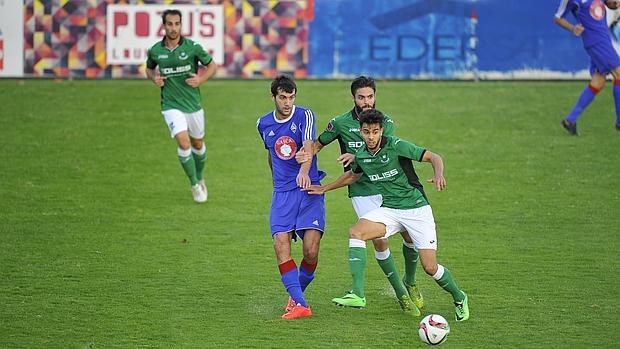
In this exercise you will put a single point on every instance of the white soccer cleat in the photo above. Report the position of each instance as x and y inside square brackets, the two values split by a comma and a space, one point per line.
[199, 195]
[204, 188]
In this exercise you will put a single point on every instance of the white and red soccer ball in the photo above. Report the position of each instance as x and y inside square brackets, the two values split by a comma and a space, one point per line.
[434, 329]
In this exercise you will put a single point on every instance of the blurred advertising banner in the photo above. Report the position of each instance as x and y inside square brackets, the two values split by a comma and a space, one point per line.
[11, 38]
[443, 39]
[109, 38]
[133, 29]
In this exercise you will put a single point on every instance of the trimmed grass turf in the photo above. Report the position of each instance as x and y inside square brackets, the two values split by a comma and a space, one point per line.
[102, 246]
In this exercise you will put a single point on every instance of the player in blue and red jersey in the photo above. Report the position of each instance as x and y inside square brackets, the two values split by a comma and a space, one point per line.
[592, 27]
[294, 213]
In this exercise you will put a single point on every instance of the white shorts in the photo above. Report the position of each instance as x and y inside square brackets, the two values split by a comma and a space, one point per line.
[365, 204]
[418, 222]
[179, 121]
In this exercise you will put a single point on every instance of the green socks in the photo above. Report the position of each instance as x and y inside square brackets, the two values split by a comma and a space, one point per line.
[357, 264]
[389, 269]
[447, 283]
[411, 262]
[188, 164]
[200, 159]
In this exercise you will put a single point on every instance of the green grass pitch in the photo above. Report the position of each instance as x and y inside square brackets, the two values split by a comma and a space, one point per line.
[102, 246]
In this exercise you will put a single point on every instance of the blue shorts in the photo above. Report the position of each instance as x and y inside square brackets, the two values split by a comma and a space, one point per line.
[603, 58]
[296, 211]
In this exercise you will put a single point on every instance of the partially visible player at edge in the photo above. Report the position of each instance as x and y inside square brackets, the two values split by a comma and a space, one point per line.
[592, 28]
[294, 213]
[365, 197]
[172, 65]
[387, 161]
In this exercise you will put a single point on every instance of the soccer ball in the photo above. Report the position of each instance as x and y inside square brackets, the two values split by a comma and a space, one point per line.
[434, 329]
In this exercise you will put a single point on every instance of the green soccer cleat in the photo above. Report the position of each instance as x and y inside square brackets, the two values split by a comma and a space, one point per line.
[415, 295]
[462, 309]
[409, 306]
[350, 300]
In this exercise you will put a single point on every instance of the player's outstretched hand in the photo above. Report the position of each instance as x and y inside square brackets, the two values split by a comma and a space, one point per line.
[315, 189]
[346, 159]
[578, 30]
[303, 180]
[439, 181]
[159, 80]
[302, 156]
[193, 80]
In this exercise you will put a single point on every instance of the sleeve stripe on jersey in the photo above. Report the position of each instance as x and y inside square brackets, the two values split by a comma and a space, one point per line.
[309, 126]
[562, 9]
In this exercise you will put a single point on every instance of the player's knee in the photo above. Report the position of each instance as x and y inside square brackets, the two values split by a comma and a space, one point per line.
[311, 255]
[380, 244]
[430, 269]
[280, 244]
[355, 233]
[184, 145]
[197, 143]
[597, 84]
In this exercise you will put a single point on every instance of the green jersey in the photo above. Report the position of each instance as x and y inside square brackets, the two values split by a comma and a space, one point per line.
[176, 65]
[391, 171]
[346, 129]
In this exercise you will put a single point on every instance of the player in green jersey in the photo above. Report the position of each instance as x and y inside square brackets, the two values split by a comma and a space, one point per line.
[365, 197]
[387, 161]
[172, 65]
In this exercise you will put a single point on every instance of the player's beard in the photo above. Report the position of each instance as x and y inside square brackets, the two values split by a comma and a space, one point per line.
[282, 113]
[172, 36]
[374, 148]
[359, 110]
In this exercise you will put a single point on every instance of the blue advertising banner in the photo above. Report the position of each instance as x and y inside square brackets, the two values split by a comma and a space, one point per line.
[454, 39]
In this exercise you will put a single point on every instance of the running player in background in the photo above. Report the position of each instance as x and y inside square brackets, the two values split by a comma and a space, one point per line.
[172, 65]
[592, 28]
[387, 161]
[294, 213]
[345, 128]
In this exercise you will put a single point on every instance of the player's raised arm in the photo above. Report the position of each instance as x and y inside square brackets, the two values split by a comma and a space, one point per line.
[437, 162]
[347, 178]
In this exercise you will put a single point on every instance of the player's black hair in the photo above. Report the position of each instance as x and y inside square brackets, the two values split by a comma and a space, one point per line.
[361, 82]
[371, 117]
[171, 12]
[283, 83]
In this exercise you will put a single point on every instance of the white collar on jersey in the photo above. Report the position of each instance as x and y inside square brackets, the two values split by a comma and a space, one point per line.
[284, 120]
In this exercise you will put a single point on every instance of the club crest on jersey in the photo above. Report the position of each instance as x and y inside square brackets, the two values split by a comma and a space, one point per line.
[285, 147]
[293, 128]
[597, 10]
[330, 125]
[183, 55]
[385, 159]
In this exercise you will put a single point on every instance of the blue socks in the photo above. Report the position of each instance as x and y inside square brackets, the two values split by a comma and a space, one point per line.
[290, 280]
[584, 100]
[617, 100]
[306, 274]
